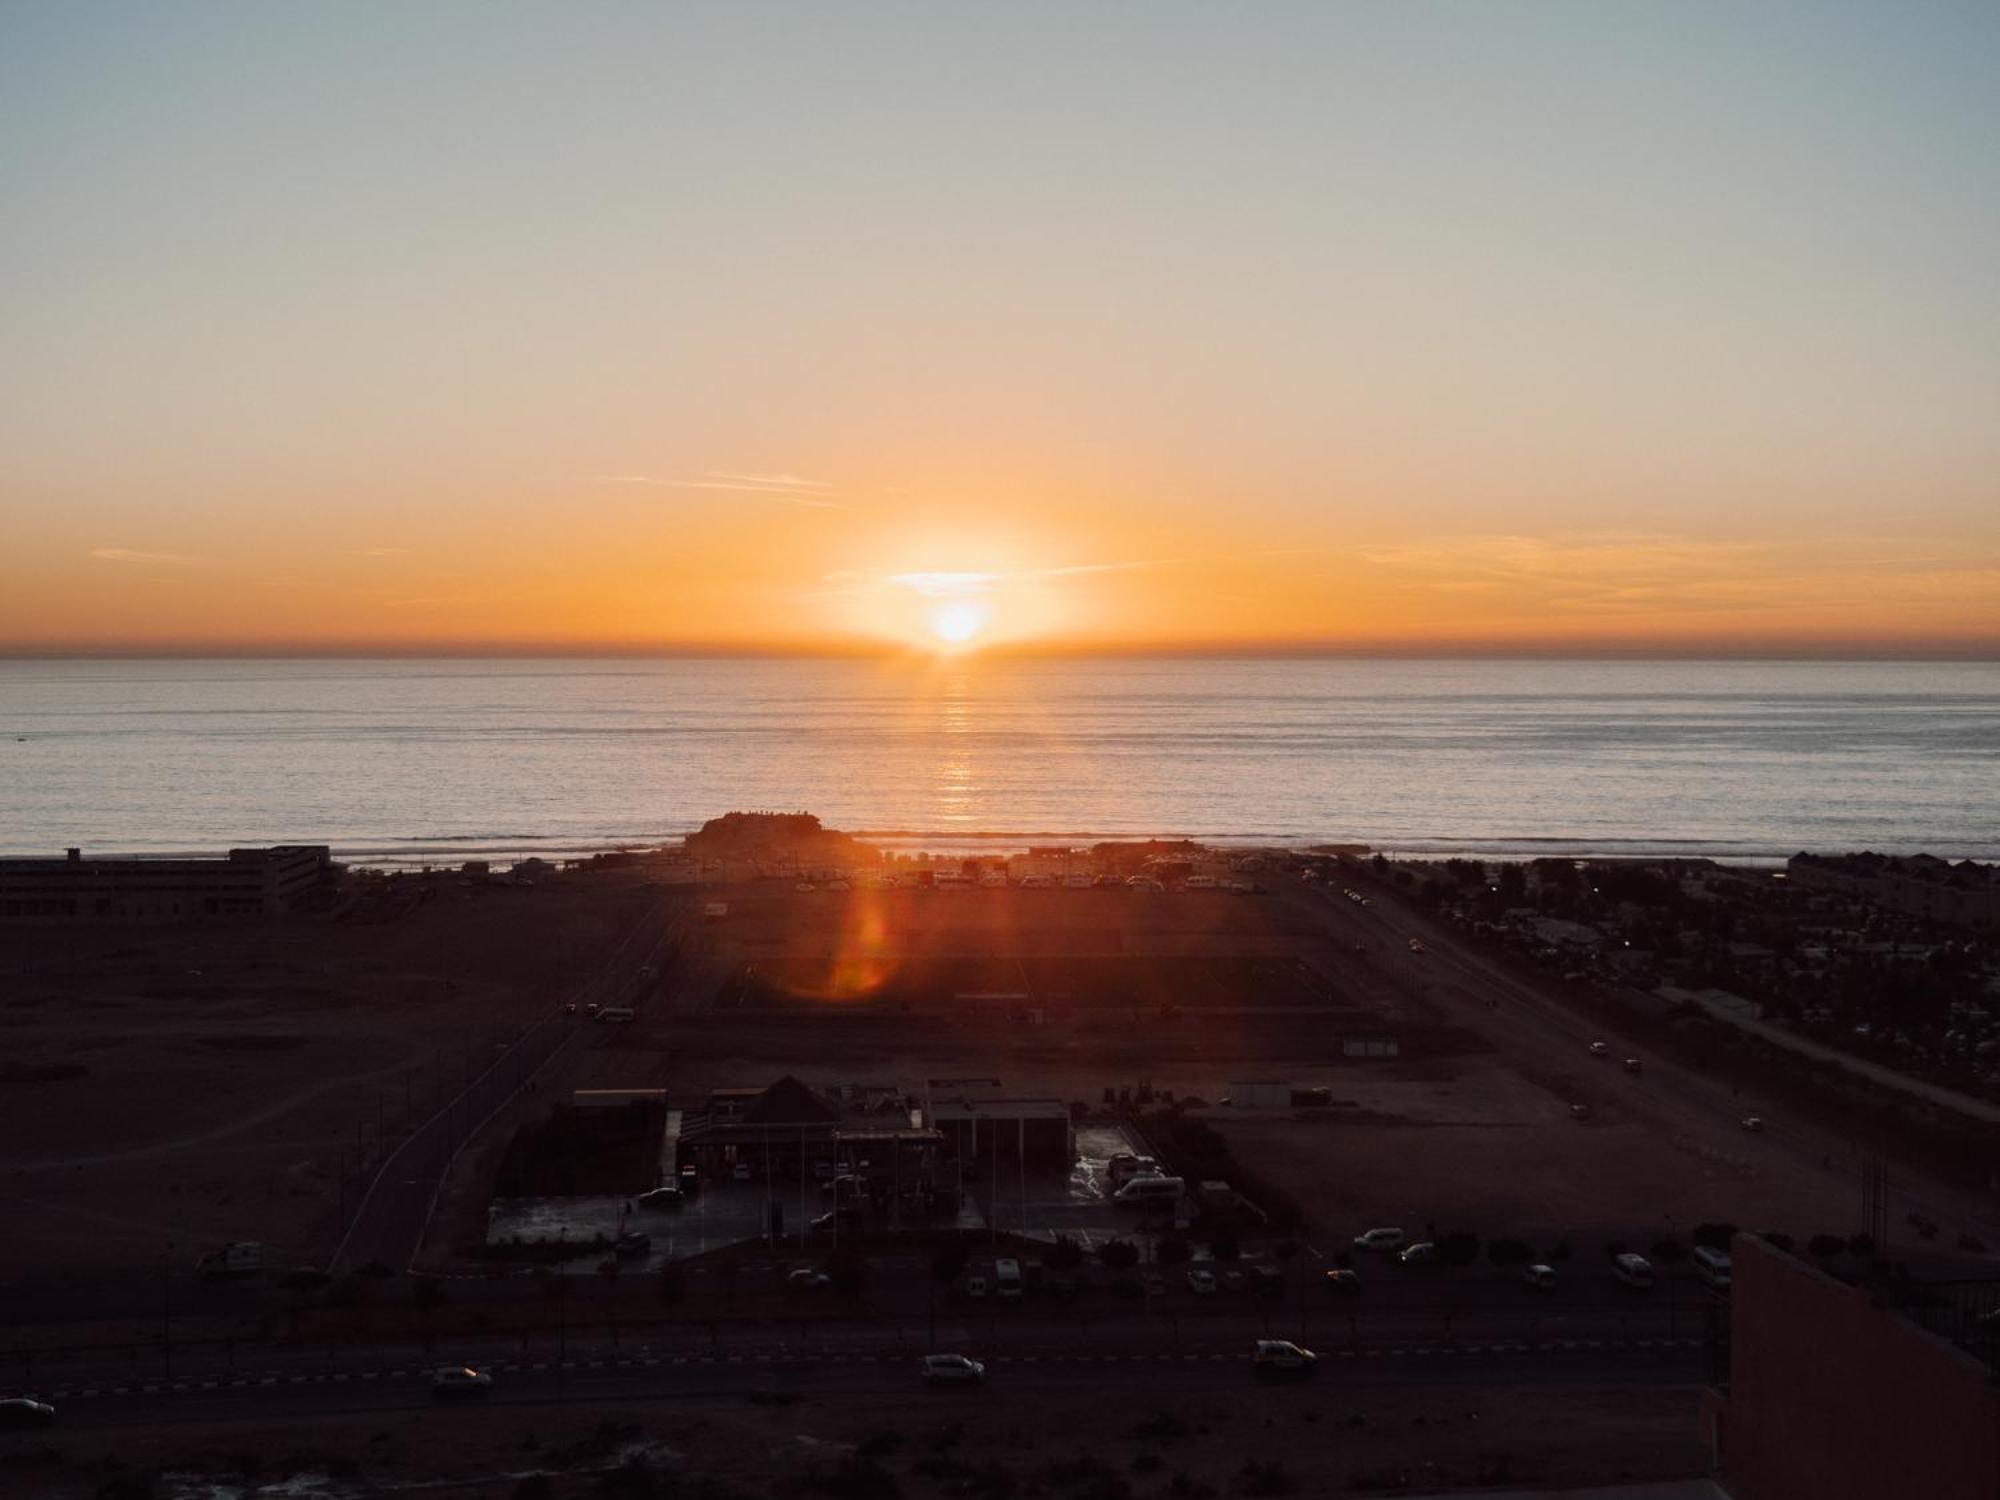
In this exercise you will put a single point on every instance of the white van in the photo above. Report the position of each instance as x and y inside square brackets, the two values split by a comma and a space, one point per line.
[1143, 1192]
[1712, 1266]
[1634, 1270]
[1006, 1279]
[616, 1013]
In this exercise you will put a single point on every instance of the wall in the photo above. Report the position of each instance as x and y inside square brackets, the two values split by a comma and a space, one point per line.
[1833, 1398]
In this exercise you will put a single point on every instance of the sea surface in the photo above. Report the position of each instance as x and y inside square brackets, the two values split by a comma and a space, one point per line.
[402, 761]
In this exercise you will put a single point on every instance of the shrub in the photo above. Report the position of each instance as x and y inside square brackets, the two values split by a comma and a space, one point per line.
[1064, 1255]
[1119, 1256]
[1459, 1248]
[1264, 1477]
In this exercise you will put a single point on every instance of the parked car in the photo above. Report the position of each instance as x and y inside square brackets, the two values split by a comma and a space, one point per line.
[1423, 1253]
[1579, 1111]
[632, 1245]
[661, 1197]
[25, 1411]
[1631, 1064]
[805, 1278]
[1753, 1123]
[1541, 1277]
[1343, 1281]
[1234, 1280]
[951, 1369]
[975, 1286]
[450, 1382]
[1201, 1281]
[1276, 1357]
[1634, 1270]
[741, 1172]
[1153, 1284]
[1379, 1239]
[1600, 1049]
[1416, 945]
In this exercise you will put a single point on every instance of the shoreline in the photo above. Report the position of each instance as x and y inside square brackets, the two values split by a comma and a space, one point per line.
[447, 852]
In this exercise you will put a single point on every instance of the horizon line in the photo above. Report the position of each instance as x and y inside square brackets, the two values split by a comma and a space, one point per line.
[1833, 650]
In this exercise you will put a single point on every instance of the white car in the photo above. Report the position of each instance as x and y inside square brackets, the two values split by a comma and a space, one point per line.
[1753, 1122]
[1201, 1281]
[805, 885]
[1379, 1239]
[1542, 1278]
[952, 1369]
[449, 1381]
[1600, 1049]
[1416, 945]
[809, 1279]
[25, 1411]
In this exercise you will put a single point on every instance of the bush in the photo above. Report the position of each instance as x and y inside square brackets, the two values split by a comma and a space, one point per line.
[1118, 1256]
[1714, 1236]
[1262, 1477]
[1064, 1255]
[1459, 1248]
[948, 1261]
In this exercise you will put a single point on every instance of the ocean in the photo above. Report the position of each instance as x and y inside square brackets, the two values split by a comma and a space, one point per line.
[396, 762]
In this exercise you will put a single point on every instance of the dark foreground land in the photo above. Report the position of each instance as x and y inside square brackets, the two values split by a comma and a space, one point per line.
[344, 1094]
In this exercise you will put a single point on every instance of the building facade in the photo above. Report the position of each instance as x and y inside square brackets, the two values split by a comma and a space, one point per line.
[246, 883]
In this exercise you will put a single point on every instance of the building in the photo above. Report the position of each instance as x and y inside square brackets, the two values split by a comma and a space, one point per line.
[983, 1128]
[247, 883]
[1853, 1392]
[1966, 894]
[788, 1132]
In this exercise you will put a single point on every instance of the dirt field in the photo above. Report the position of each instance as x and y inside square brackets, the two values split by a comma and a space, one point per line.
[164, 1089]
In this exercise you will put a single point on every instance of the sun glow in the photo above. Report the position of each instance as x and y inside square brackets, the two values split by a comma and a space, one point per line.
[957, 623]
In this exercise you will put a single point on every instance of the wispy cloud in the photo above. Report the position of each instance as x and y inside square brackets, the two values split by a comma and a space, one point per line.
[132, 555]
[1644, 573]
[788, 488]
[945, 585]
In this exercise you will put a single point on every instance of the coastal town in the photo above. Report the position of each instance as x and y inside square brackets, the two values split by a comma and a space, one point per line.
[631, 1111]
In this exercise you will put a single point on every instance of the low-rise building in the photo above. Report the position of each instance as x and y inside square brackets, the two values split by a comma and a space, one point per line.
[126, 888]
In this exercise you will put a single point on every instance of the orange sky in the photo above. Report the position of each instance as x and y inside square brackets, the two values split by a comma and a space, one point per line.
[1357, 329]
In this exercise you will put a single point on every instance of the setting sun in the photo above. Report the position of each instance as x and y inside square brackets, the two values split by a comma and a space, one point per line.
[956, 624]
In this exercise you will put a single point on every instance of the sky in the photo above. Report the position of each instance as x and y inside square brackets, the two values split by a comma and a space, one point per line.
[1668, 328]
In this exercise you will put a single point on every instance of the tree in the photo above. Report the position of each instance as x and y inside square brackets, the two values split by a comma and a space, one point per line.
[1064, 1255]
[847, 1272]
[1714, 1236]
[1118, 1256]
[948, 1261]
[1459, 1248]
[1173, 1250]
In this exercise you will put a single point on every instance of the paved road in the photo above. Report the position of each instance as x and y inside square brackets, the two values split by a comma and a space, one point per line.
[389, 1225]
[728, 1376]
[1530, 1022]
